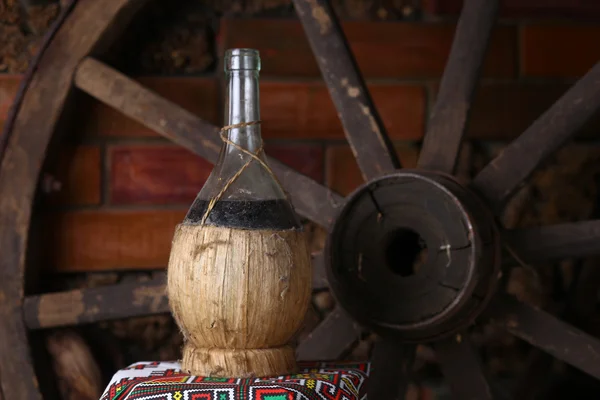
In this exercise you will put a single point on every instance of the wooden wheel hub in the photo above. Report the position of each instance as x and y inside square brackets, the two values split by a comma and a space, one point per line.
[414, 255]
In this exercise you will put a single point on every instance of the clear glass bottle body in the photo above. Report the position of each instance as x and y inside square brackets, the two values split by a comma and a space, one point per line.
[248, 195]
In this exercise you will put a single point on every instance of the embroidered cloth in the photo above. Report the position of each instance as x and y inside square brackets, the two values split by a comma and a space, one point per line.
[165, 381]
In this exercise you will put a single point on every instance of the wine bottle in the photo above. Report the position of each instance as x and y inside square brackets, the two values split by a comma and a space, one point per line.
[239, 273]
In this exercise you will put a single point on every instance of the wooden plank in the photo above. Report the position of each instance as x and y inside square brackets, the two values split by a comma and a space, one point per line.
[462, 368]
[31, 126]
[448, 120]
[362, 124]
[391, 365]
[502, 176]
[328, 341]
[570, 240]
[547, 333]
[310, 198]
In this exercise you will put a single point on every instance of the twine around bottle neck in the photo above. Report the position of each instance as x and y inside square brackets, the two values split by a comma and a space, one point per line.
[253, 157]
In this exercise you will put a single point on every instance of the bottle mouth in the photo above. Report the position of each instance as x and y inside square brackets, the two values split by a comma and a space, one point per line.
[242, 59]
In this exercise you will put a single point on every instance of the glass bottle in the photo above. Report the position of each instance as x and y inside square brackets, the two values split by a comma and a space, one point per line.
[239, 272]
[253, 199]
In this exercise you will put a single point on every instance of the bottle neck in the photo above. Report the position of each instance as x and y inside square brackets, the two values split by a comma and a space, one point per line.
[242, 105]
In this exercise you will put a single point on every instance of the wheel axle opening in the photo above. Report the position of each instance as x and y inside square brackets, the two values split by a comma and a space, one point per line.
[405, 252]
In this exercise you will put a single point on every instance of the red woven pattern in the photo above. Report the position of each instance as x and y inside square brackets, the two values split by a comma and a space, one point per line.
[164, 380]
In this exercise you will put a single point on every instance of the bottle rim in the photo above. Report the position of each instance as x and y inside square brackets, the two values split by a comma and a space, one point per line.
[242, 59]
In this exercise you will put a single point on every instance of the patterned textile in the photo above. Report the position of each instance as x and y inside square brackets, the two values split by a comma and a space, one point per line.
[166, 381]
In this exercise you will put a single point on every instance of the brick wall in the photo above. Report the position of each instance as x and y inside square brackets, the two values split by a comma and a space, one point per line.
[112, 199]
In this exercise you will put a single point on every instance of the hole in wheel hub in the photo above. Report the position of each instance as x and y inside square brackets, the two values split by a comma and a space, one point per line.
[405, 252]
[413, 255]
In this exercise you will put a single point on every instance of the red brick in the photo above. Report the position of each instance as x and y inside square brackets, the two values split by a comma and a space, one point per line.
[442, 7]
[524, 8]
[550, 50]
[77, 175]
[197, 95]
[307, 159]
[382, 50]
[343, 175]
[9, 85]
[298, 110]
[155, 174]
[110, 240]
[504, 111]
[304, 110]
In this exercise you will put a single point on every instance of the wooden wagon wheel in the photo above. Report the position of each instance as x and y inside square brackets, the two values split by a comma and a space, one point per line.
[462, 238]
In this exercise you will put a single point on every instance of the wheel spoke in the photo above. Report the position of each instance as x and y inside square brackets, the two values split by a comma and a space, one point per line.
[390, 368]
[334, 335]
[571, 240]
[319, 280]
[449, 116]
[104, 303]
[124, 300]
[82, 28]
[501, 177]
[16, 356]
[462, 368]
[362, 125]
[548, 333]
[310, 198]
